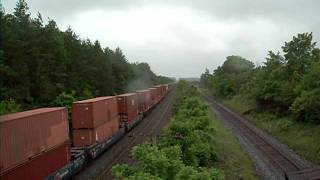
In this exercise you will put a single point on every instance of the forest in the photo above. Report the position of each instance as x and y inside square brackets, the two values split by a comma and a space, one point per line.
[40, 65]
[286, 84]
[281, 96]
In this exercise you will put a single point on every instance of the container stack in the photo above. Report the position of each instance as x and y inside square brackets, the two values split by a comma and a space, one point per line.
[94, 120]
[144, 100]
[159, 92]
[33, 143]
[153, 94]
[163, 90]
[128, 107]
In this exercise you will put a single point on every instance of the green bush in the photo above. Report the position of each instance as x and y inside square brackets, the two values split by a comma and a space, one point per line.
[306, 106]
[285, 84]
[8, 106]
[186, 150]
[65, 100]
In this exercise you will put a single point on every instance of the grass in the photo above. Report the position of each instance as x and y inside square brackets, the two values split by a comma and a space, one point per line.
[303, 138]
[233, 160]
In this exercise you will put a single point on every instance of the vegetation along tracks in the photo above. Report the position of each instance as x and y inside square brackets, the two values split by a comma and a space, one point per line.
[280, 161]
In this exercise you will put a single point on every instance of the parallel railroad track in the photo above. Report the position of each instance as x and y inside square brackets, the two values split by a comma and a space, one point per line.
[283, 163]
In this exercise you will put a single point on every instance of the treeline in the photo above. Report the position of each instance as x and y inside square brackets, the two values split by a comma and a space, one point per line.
[39, 62]
[287, 83]
[186, 147]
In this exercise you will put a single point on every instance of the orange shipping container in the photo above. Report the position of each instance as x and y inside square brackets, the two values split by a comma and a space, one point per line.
[40, 166]
[159, 93]
[153, 93]
[26, 134]
[87, 137]
[114, 126]
[128, 106]
[144, 100]
[91, 113]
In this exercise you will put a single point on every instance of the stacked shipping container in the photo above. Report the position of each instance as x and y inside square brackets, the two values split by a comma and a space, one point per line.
[144, 100]
[38, 167]
[31, 139]
[160, 92]
[128, 106]
[153, 95]
[34, 144]
[94, 120]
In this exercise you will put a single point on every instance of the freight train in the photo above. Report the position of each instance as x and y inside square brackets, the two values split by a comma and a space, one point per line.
[43, 144]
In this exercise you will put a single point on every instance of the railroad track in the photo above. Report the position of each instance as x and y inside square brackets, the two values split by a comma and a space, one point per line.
[120, 152]
[287, 166]
[144, 131]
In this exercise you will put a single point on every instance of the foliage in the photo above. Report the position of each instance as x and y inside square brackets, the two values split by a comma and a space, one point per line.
[227, 80]
[306, 105]
[65, 100]
[299, 136]
[232, 158]
[8, 106]
[186, 150]
[287, 84]
[38, 62]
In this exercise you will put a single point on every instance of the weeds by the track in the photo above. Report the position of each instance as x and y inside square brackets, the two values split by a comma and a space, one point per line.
[232, 159]
[301, 137]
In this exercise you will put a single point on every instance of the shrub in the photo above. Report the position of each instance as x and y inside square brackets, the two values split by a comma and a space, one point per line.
[186, 150]
[65, 100]
[8, 106]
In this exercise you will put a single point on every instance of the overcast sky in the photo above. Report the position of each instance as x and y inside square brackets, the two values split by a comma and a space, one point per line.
[183, 37]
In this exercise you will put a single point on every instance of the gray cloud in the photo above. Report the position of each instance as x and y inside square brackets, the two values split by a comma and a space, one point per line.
[182, 37]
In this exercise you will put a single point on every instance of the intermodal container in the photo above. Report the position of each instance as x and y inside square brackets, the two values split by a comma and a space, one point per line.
[91, 113]
[159, 93]
[114, 125]
[40, 166]
[144, 100]
[164, 90]
[27, 134]
[128, 106]
[153, 94]
[87, 137]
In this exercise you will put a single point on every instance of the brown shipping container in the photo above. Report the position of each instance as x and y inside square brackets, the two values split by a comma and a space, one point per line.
[153, 93]
[87, 137]
[128, 106]
[40, 166]
[162, 91]
[158, 96]
[91, 113]
[144, 100]
[165, 88]
[27, 134]
[114, 125]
